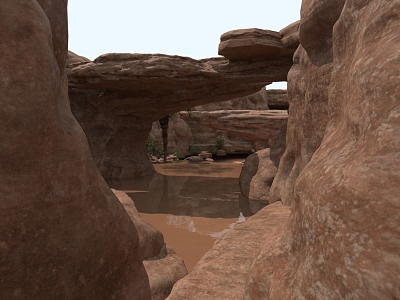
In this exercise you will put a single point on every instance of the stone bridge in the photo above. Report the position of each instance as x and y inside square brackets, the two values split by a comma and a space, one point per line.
[116, 97]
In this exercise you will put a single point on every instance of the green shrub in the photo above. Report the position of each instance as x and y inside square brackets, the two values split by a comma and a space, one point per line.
[227, 149]
[154, 148]
[220, 142]
[180, 155]
[212, 149]
[194, 150]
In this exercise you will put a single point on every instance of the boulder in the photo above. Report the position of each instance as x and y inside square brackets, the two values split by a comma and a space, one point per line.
[257, 175]
[253, 43]
[290, 35]
[164, 272]
[64, 235]
[74, 59]
[221, 152]
[195, 159]
[163, 266]
[205, 154]
[151, 240]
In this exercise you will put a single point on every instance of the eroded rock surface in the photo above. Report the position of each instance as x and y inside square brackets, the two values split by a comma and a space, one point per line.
[308, 97]
[261, 127]
[222, 272]
[257, 175]
[117, 97]
[342, 238]
[278, 99]
[254, 43]
[163, 266]
[290, 35]
[64, 235]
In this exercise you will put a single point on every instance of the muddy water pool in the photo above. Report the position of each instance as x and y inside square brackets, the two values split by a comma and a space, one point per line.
[192, 204]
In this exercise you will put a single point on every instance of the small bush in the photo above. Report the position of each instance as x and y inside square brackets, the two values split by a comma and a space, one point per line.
[220, 142]
[212, 149]
[180, 155]
[227, 149]
[194, 150]
[154, 148]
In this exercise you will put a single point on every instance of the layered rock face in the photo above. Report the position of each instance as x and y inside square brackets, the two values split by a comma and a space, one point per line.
[342, 238]
[254, 43]
[64, 234]
[260, 127]
[116, 97]
[185, 132]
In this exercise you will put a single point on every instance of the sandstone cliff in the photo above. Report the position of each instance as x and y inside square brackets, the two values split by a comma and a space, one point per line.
[64, 235]
[340, 171]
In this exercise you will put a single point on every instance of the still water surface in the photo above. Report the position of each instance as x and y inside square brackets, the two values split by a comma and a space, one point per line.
[192, 204]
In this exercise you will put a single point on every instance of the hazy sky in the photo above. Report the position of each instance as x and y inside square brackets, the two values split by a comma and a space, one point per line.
[175, 27]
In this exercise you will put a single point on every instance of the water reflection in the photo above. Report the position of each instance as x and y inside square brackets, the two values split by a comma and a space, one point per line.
[186, 196]
[192, 204]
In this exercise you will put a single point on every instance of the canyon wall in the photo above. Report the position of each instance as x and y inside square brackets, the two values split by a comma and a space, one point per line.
[340, 172]
[64, 235]
[342, 237]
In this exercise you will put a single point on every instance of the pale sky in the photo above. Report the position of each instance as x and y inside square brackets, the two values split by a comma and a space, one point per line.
[175, 27]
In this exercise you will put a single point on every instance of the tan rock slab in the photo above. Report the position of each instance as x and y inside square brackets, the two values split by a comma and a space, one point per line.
[222, 271]
[253, 43]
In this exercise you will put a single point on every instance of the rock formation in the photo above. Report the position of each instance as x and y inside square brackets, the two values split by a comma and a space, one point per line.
[116, 98]
[340, 171]
[290, 35]
[254, 43]
[308, 97]
[222, 272]
[64, 235]
[163, 267]
[342, 238]
[277, 99]
[184, 136]
[261, 127]
[257, 175]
